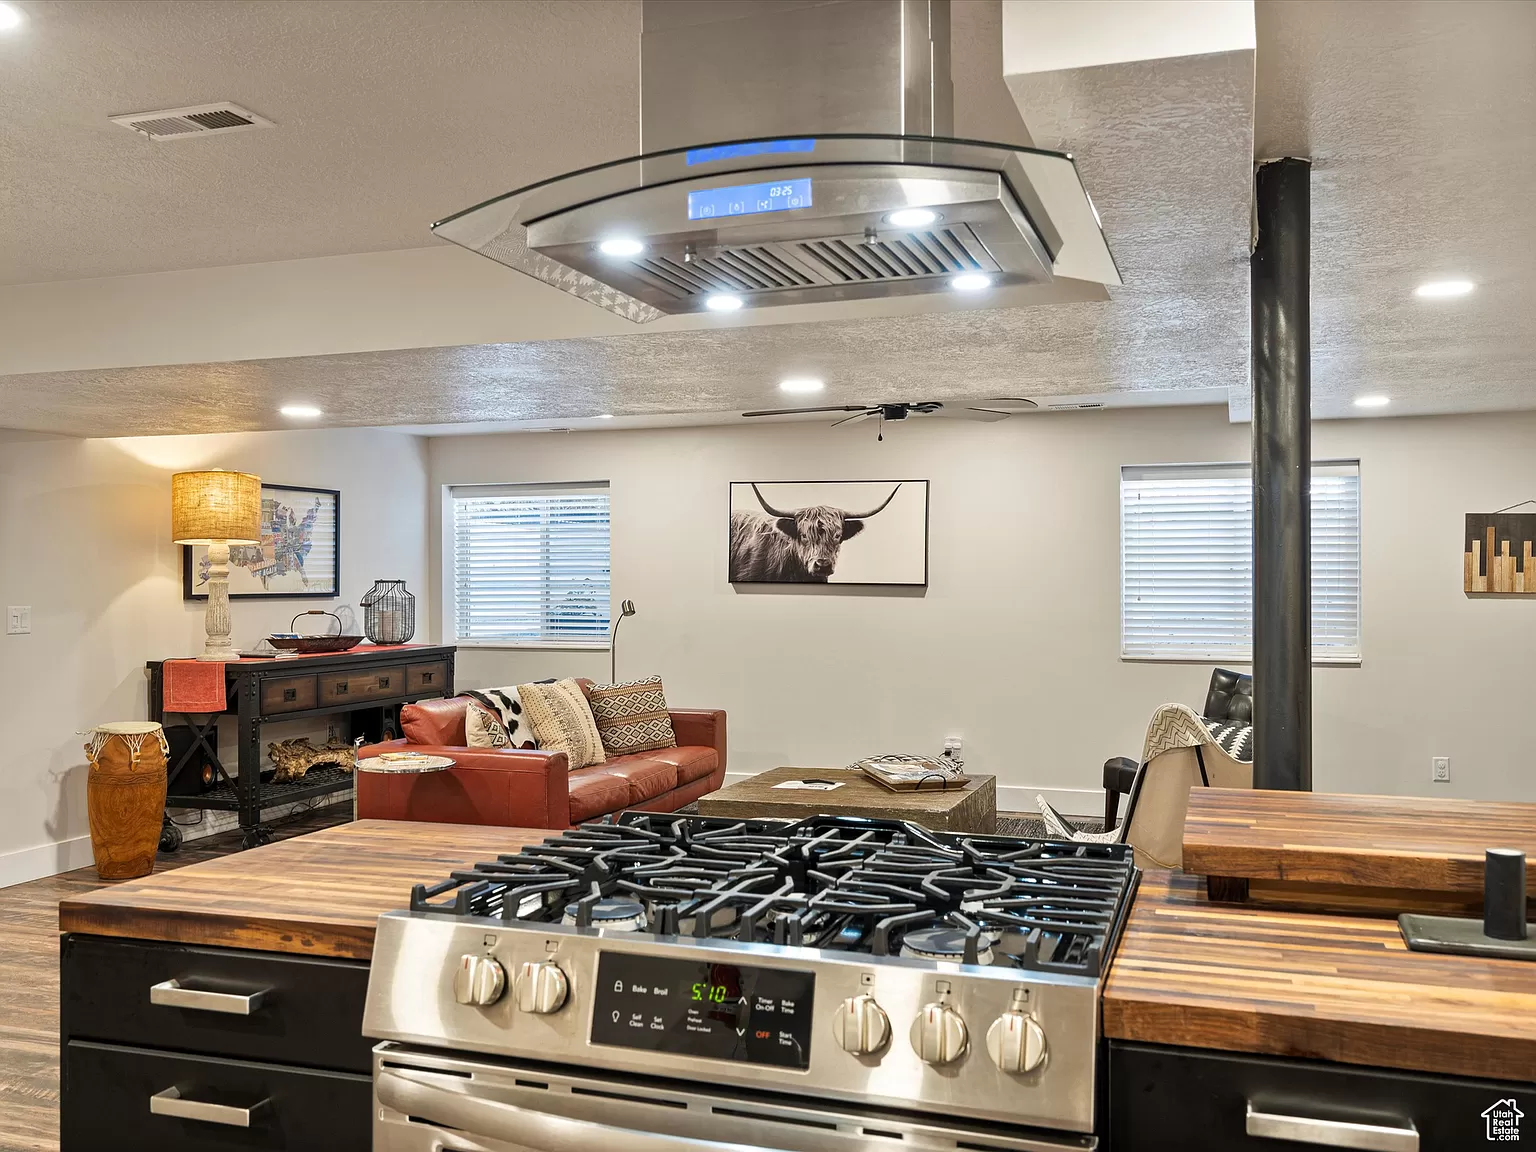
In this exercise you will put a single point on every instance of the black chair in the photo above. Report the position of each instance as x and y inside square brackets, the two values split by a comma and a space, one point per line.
[1230, 697]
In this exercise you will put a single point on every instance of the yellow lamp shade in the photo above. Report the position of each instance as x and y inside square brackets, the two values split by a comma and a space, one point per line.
[215, 508]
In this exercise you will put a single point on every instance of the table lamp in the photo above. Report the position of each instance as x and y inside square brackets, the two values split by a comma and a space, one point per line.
[218, 509]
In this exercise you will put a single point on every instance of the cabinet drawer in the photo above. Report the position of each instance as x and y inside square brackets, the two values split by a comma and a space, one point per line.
[427, 677]
[288, 694]
[305, 1010]
[110, 1104]
[368, 684]
[1185, 1100]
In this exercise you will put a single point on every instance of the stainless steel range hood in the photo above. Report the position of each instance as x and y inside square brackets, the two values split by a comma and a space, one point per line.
[796, 152]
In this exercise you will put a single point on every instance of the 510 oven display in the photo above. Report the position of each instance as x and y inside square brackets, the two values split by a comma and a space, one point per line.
[710, 993]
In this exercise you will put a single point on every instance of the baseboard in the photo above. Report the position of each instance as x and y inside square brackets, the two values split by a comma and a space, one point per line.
[1021, 797]
[44, 860]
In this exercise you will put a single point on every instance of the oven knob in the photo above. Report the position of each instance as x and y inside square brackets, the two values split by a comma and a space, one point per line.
[480, 981]
[541, 987]
[939, 1035]
[1016, 1042]
[862, 1026]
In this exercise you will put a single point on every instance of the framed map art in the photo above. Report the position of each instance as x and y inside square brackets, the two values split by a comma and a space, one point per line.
[299, 553]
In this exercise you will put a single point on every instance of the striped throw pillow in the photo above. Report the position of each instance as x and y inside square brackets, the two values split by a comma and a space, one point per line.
[632, 717]
[562, 721]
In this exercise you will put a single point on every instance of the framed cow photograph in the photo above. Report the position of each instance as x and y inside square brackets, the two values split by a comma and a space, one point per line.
[829, 532]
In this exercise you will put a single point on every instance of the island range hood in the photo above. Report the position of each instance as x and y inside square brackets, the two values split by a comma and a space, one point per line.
[796, 152]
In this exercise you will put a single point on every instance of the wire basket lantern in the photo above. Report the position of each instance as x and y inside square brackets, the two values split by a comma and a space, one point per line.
[389, 612]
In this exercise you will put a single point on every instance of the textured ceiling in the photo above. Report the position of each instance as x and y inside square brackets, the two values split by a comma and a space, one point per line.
[1148, 136]
[1421, 122]
[1421, 119]
[390, 115]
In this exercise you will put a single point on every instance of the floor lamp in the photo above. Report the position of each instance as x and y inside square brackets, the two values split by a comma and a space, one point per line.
[216, 508]
[626, 608]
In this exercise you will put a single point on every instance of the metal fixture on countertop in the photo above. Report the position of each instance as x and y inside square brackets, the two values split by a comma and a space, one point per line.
[801, 154]
[673, 979]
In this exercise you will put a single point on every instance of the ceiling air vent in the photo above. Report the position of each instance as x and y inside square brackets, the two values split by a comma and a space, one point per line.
[199, 120]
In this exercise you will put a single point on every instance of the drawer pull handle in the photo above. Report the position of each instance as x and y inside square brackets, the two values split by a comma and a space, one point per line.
[172, 995]
[341, 688]
[426, 677]
[290, 694]
[1332, 1133]
[172, 1103]
[383, 681]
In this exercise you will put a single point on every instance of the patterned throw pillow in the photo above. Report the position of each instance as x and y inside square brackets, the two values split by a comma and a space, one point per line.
[504, 705]
[632, 717]
[562, 721]
[484, 730]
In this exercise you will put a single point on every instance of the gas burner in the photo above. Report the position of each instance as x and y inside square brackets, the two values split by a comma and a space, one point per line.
[944, 944]
[619, 915]
[836, 884]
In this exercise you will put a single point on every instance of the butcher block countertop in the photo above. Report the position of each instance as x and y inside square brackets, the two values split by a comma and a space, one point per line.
[1315, 985]
[1393, 842]
[315, 895]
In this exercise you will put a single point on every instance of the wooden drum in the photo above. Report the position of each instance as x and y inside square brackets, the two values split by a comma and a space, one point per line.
[126, 797]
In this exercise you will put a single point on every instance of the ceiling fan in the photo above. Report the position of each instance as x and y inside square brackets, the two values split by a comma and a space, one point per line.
[996, 408]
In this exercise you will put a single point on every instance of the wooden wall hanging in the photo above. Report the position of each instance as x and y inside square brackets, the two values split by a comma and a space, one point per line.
[1497, 558]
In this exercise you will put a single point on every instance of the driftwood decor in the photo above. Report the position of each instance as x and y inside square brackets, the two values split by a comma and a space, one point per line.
[293, 758]
[1497, 558]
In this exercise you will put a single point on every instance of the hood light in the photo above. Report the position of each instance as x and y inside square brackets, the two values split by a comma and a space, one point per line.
[1439, 289]
[621, 246]
[971, 282]
[911, 217]
[721, 302]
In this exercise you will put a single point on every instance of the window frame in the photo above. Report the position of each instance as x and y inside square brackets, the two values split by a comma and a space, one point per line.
[449, 566]
[1241, 656]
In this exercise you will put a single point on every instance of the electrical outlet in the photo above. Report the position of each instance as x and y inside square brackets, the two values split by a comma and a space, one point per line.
[1440, 770]
[953, 746]
[18, 620]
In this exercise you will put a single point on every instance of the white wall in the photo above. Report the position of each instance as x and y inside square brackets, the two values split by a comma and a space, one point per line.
[85, 540]
[1015, 642]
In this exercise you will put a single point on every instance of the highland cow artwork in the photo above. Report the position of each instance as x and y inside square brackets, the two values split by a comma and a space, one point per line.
[829, 532]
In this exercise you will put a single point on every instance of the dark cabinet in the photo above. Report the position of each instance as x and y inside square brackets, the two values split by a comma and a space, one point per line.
[133, 1098]
[167, 1046]
[1184, 1100]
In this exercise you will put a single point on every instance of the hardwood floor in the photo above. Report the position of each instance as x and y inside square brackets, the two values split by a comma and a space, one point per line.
[29, 981]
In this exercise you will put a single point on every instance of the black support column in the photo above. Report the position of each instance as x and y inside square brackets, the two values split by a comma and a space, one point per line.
[1282, 466]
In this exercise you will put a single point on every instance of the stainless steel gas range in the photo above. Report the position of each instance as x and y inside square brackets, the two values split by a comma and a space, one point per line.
[694, 984]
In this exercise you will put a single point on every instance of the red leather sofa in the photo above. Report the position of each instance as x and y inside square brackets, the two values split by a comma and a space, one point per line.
[518, 789]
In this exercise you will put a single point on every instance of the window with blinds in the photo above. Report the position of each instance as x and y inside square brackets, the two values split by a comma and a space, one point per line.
[531, 564]
[1186, 562]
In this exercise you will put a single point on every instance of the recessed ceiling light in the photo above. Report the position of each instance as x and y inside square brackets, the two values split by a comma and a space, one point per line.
[802, 384]
[11, 17]
[621, 246]
[911, 217]
[300, 411]
[1373, 401]
[720, 302]
[605, 416]
[1436, 289]
[971, 282]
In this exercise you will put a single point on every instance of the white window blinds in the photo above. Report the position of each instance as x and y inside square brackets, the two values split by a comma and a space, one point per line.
[531, 564]
[1186, 562]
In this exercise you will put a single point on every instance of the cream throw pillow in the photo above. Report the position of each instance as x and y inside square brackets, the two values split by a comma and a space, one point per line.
[562, 721]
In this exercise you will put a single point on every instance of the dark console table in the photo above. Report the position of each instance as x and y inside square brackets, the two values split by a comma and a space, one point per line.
[367, 684]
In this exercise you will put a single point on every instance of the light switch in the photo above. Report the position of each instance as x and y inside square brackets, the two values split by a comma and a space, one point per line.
[18, 620]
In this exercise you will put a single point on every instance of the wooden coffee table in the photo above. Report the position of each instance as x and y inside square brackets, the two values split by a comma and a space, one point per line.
[969, 809]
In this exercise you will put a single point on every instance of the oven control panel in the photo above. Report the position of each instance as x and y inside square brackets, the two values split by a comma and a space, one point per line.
[719, 1011]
